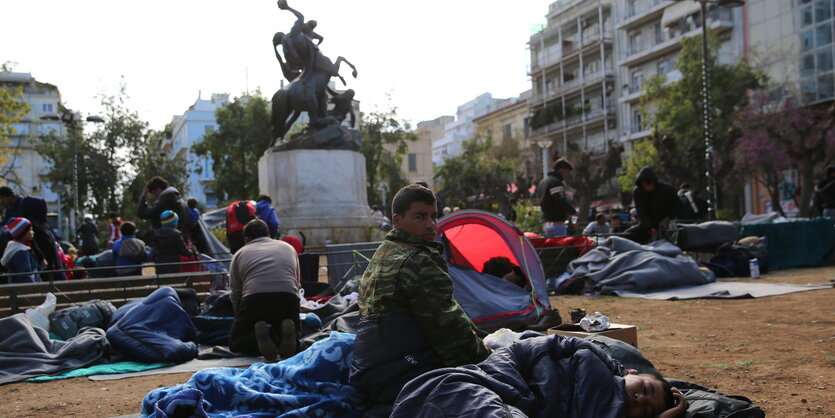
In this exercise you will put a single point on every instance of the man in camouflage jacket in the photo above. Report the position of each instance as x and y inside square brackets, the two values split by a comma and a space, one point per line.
[410, 322]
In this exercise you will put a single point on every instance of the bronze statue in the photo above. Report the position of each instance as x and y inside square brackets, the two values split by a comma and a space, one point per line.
[309, 72]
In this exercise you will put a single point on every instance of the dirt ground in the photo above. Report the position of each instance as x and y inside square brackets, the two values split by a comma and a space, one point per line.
[778, 351]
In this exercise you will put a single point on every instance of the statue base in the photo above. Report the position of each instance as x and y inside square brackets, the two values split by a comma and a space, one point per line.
[320, 193]
[329, 137]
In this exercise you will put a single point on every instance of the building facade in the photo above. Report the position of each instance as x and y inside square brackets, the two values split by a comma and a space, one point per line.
[508, 128]
[189, 129]
[462, 128]
[23, 169]
[649, 35]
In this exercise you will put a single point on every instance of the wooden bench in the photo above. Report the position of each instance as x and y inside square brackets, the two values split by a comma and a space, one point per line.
[16, 298]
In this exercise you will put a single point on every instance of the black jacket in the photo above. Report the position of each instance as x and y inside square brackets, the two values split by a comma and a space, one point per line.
[89, 238]
[656, 205]
[826, 193]
[169, 199]
[389, 351]
[168, 247]
[555, 206]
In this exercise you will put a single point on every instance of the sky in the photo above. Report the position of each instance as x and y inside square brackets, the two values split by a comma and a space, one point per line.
[423, 57]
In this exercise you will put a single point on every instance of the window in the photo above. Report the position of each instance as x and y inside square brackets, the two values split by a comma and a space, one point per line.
[807, 65]
[822, 11]
[808, 89]
[412, 163]
[823, 34]
[637, 121]
[825, 60]
[826, 87]
[665, 66]
[806, 17]
[659, 33]
[635, 43]
[507, 132]
[47, 108]
[806, 40]
[637, 81]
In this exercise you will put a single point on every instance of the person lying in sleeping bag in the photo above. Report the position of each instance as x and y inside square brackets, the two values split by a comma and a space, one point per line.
[543, 376]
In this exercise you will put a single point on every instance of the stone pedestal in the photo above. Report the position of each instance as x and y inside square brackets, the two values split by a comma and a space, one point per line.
[318, 192]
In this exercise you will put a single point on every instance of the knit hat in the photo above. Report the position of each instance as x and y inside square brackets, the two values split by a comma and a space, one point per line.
[18, 227]
[169, 218]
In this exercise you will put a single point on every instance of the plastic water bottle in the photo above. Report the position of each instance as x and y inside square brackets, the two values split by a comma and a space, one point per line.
[754, 266]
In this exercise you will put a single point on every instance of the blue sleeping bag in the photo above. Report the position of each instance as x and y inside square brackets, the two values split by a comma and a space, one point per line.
[549, 376]
[154, 330]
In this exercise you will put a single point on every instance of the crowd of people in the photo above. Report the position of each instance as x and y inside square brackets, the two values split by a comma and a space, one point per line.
[32, 251]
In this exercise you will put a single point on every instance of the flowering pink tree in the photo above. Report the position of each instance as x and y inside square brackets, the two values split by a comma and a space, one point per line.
[777, 134]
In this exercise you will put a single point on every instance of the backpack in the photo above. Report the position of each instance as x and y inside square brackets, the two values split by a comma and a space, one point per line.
[237, 216]
[67, 322]
[133, 249]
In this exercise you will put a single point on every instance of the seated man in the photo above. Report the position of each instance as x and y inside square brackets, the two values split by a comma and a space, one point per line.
[264, 278]
[549, 376]
[599, 226]
[410, 322]
[501, 267]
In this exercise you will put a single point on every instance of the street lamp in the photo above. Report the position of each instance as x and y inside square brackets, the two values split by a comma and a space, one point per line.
[71, 120]
[712, 193]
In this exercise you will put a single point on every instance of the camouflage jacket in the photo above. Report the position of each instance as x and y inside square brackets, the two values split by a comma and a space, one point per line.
[409, 274]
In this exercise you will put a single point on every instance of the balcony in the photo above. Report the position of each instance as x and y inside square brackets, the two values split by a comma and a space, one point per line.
[672, 44]
[645, 12]
[593, 116]
[590, 80]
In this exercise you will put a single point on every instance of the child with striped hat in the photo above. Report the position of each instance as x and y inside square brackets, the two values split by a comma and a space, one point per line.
[169, 244]
[18, 256]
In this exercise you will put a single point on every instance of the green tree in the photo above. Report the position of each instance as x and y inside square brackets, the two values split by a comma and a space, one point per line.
[475, 177]
[104, 156]
[384, 142]
[672, 109]
[643, 154]
[592, 171]
[242, 136]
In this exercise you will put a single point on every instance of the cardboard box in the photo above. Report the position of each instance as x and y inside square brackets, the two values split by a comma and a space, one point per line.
[625, 333]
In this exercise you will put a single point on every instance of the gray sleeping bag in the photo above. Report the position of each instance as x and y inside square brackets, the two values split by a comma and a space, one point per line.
[618, 264]
[26, 351]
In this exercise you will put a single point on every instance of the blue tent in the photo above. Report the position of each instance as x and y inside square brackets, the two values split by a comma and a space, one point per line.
[473, 237]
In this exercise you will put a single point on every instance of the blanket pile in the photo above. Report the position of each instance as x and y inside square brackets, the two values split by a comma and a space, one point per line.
[310, 384]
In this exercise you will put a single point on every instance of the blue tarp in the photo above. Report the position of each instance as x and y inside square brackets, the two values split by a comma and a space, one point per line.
[793, 244]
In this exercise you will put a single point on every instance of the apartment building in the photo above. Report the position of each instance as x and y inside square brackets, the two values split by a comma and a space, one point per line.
[508, 128]
[649, 32]
[574, 78]
[462, 127]
[23, 169]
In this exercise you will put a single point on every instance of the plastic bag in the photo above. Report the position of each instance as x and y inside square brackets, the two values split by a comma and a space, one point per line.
[39, 316]
[594, 323]
[501, 338]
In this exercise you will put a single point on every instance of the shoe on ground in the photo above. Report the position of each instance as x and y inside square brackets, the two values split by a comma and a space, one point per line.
[266, 345]
[287, 346]
[550, 318]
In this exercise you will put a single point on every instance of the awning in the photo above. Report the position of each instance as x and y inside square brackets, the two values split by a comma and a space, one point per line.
[603, 205]
[679, 10]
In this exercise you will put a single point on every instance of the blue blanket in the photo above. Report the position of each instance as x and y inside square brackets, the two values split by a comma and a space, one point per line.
[313, 383]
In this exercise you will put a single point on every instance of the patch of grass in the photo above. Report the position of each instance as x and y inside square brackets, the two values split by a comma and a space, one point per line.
[806, 359]
[830, 359]
[719, 365]
[744, 363]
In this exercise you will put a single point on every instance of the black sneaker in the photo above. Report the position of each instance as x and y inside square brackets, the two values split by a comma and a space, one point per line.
[266, 345]
[550, 318]
[287, 346]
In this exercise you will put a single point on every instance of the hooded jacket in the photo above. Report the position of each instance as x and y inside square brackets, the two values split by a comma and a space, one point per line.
[168, 247]
[266, 213]
[550, 376]
[654, 206]
[19, 258]
[554, 204]
[169, 199]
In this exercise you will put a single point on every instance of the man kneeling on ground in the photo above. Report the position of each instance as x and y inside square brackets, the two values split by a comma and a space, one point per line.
[264, 279]
[410, 322]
